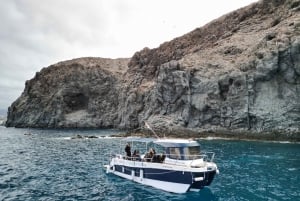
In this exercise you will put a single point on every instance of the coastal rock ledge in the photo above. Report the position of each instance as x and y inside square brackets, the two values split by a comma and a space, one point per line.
[236, 76]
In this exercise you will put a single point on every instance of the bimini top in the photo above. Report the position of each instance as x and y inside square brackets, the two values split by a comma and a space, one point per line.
[164, 142]
[138, 139]
[176, 143]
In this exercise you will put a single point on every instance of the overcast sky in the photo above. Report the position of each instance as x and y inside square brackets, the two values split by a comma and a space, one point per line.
[37, 33]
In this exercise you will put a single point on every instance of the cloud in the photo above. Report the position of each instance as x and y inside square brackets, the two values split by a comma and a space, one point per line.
[35, 34]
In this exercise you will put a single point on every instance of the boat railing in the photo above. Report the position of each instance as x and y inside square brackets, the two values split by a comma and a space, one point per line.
[123, 156]
[206, 156]
[160, 158]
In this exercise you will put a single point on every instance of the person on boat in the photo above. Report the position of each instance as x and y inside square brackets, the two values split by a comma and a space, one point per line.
[161, 157]
[128, 150]
[136, 155]
[152, 152]
[150, 155]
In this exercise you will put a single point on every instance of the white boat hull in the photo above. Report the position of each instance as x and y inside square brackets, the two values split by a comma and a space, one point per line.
[166, 186]
[162, 176]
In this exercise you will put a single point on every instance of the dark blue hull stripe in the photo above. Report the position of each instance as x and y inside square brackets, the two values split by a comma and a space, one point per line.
[170, 175]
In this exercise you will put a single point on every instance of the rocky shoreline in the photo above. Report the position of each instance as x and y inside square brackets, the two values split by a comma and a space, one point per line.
[275, 136]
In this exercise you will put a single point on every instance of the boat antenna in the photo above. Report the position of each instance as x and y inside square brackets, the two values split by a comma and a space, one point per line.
[147, 126]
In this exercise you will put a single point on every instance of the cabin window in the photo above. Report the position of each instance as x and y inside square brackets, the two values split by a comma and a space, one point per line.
[174, 152]
[191, 153]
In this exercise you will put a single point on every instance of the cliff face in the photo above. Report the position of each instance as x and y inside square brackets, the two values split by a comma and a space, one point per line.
[78, 93]
[240, 72]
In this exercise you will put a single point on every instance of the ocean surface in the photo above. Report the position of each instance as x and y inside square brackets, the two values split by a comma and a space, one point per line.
[48, 165]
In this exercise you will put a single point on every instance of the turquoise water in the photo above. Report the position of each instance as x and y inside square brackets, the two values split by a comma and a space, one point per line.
[49, 166]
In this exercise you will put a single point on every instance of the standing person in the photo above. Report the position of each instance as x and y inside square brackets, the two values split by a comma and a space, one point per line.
[128, 150]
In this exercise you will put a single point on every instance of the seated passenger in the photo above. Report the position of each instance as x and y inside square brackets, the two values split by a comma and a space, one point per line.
[162, 158]
[149, 156]
[136, 155]
[152, 151]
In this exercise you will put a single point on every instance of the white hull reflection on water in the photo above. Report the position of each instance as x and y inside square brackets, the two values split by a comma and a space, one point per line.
[46, 166]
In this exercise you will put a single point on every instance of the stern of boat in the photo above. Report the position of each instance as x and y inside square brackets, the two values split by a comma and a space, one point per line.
[205, 178]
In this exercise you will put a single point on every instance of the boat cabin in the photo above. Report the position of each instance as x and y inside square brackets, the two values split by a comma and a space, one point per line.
[177, 149]
[180, 149]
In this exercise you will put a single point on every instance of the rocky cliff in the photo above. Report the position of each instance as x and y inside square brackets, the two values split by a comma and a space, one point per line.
[237, 74]
[77, 93]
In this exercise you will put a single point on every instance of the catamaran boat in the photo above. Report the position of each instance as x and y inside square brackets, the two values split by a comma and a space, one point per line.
[178, 167]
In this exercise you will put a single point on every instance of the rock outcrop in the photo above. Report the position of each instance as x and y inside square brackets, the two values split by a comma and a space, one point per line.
[77, 93]
[237, 74]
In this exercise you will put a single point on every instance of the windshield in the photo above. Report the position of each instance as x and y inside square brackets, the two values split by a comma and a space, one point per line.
[191, 153]
[184, 153]
[175, 153]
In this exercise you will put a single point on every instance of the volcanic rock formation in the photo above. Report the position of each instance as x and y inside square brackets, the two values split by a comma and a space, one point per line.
[239, 73]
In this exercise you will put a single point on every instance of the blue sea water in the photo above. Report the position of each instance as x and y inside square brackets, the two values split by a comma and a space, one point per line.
[48, 165]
